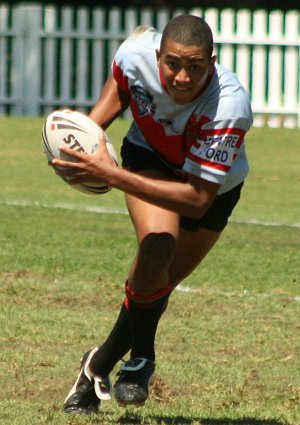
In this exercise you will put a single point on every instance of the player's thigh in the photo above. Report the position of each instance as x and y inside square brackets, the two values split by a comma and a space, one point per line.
[148, 218]
[191, 248]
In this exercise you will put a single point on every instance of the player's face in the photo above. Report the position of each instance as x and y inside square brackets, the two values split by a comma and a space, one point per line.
[184, 69]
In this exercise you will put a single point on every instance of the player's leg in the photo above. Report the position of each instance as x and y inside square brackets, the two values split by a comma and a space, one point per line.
[156, 232]
[198, 236]
[191, 249]
[195, 241]
[147, 292]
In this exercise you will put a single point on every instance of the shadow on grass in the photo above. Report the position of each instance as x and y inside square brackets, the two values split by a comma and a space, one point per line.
[181, 420]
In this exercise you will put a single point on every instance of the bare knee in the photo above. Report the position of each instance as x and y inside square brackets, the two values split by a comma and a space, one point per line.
[149, 272]
[156, 251]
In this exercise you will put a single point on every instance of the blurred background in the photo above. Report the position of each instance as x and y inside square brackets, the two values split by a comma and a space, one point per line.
[59, 54]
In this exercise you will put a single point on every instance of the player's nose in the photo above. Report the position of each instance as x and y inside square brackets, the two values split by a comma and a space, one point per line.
[182, 76]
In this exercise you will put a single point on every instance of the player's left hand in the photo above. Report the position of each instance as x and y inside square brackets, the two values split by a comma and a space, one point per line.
[87, 167]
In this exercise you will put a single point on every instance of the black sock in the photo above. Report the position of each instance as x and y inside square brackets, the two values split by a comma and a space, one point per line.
[144, 317]
[143, 324]
[135, 328]
[114, 348]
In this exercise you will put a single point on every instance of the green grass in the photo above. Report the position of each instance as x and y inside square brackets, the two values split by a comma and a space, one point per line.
[227, 350]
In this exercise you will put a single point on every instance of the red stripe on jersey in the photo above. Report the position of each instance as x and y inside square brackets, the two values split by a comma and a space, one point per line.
[205, 133]
[120, 78]
[213, 165]
[174, 149]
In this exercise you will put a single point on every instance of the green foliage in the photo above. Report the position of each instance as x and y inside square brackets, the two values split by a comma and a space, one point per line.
[227, 347]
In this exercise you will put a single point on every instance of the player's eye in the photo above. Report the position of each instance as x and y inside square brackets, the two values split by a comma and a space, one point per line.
[197, 67]
[173, 66]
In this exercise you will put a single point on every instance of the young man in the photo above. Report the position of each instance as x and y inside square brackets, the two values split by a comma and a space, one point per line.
[184, 164]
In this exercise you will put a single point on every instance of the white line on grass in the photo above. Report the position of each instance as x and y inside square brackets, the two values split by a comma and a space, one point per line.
[266, 223]
[65, 206]
[244, 293]
[122, 211]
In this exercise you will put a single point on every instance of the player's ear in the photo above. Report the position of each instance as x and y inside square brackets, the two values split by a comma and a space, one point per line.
[212, 63]
[157, 51]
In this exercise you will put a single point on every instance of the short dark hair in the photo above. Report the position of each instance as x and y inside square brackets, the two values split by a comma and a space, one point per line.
[189, 30]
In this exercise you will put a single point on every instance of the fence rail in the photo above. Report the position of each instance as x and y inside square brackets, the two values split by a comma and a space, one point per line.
[54, 57]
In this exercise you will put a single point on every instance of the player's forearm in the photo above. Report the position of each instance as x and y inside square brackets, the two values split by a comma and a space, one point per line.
[181, 197]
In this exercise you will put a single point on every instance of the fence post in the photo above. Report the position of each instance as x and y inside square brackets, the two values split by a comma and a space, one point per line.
[243, 59]
[98, 79]
[259, 67]
[17, 59]
[227, 30]
[275, 67]
[292, 68]
[32, 59]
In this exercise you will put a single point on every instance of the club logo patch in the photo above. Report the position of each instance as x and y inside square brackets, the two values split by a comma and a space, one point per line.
[167, 124]
[143, 101]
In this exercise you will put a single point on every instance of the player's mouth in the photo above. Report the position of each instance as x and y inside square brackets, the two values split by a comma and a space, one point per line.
[181, 94]
[182, 89]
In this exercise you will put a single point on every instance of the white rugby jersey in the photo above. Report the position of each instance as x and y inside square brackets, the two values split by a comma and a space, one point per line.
[204, 137]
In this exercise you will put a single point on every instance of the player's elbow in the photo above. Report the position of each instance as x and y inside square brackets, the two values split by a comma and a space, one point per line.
[198, 204]
[197, 209]
[195, 213]
[201, 194]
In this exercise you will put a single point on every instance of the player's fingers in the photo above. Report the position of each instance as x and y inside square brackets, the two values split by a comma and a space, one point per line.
[67, 172]
[72, 152]
[66, 164]
[101, 139]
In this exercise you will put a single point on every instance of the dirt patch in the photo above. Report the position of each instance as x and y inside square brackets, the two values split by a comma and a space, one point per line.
[160, 391]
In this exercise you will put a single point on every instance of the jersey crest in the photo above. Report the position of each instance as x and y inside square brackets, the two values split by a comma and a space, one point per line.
[143, 101]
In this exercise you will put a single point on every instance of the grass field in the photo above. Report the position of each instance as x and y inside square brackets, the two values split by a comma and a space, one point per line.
[227, 348]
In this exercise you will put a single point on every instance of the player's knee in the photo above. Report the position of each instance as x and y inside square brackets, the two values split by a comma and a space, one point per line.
[156, 251]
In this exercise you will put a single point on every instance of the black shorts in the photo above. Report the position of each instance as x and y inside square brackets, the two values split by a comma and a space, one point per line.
[136, 158]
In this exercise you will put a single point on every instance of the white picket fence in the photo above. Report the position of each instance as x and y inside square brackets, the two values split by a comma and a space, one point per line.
[54, 57]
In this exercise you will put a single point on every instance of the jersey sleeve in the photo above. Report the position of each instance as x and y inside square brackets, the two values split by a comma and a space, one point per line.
[211, 156]
[217, 150]
[219, 141]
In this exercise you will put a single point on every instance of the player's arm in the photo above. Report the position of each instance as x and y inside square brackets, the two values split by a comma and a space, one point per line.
[111, 103]
[191, 198]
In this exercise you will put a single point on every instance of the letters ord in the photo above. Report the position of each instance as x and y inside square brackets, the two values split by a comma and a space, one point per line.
[217, 155]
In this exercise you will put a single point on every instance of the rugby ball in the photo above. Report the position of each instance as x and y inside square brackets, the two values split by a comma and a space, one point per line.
[76, 131]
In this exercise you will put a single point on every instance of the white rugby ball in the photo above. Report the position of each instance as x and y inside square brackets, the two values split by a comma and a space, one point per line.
[76, 131]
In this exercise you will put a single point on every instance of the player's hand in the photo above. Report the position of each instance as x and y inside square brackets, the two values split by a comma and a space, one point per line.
[87, 167]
